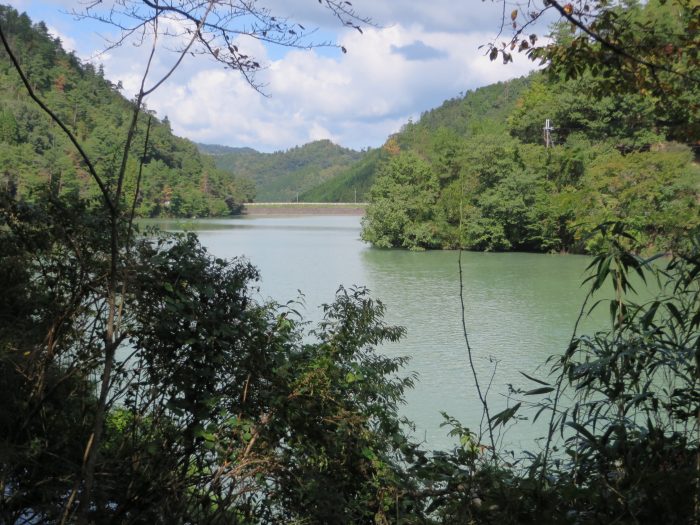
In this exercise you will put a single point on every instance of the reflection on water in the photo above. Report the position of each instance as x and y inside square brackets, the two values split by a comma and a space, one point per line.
[519, 308]
[292, 222]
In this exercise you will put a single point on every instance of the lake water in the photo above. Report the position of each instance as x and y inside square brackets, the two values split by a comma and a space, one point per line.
[520, 308]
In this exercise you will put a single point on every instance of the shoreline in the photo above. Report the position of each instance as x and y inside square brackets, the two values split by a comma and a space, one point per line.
[304, 208]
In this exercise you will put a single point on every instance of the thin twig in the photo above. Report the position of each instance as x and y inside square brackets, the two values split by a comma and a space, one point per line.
[182, 54]
[484, 403]
[138, 178]
[482, 398]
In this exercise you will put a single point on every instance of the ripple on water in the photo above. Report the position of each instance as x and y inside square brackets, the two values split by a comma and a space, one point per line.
[520, 308]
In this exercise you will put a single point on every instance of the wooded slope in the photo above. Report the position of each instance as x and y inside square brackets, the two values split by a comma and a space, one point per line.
[284, 175]
[35, 154]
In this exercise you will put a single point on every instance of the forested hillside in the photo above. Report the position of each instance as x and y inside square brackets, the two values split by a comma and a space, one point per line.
[351, 185]
[284, 175]
[35, 154]
[485, 179]
[483, 108]
[144, 380]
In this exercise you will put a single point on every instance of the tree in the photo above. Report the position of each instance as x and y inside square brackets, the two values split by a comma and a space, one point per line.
[221, 409]
[402, 202]
[143, 383]
[211, 28]
[648, 49]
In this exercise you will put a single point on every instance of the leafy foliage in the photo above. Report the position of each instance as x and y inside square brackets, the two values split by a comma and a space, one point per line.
[405, 195]
[225, 410]
[221, 409]
[639, 49]
[213, 408]
[177, 180]
[501, 187]
[636, 394]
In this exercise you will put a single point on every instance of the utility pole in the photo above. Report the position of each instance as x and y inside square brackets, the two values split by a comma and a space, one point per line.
[548, 134]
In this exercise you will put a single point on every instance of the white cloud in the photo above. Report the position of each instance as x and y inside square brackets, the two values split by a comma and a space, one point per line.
[463, 16]
[355, 99]
[426, 53]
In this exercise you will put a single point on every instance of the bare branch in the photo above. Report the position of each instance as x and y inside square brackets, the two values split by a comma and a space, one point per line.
[214, 28]
[144, 93]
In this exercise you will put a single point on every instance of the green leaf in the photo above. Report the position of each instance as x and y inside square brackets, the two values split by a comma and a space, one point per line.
[506, 415]
[602, 272]
[536, 391]
[538, 381]
[584, 431]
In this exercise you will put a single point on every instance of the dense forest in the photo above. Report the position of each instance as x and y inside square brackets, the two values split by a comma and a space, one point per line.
[35, 154]
[285, 175]
[477, 110]
[476, 173]
[349, 185]
[143, 382]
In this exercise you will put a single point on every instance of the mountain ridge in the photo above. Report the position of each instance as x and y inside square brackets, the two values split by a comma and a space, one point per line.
[283, 175]
[35, 154]
[486, 106]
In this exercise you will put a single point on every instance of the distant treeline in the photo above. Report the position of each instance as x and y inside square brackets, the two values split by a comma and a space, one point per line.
[284, 176]
[479, 172]
[474, 173]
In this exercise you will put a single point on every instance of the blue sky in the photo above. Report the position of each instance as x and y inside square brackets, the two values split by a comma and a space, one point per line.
[421, 54]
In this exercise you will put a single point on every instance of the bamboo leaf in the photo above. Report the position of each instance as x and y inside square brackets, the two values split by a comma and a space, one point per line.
[538, 381]
[536, 391]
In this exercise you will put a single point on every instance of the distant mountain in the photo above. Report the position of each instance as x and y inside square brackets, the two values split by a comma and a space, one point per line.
[216, 149]
[350, 185]
[484, 109]
[284, 175]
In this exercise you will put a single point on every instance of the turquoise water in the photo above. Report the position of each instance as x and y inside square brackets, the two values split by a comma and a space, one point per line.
[520, 308]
